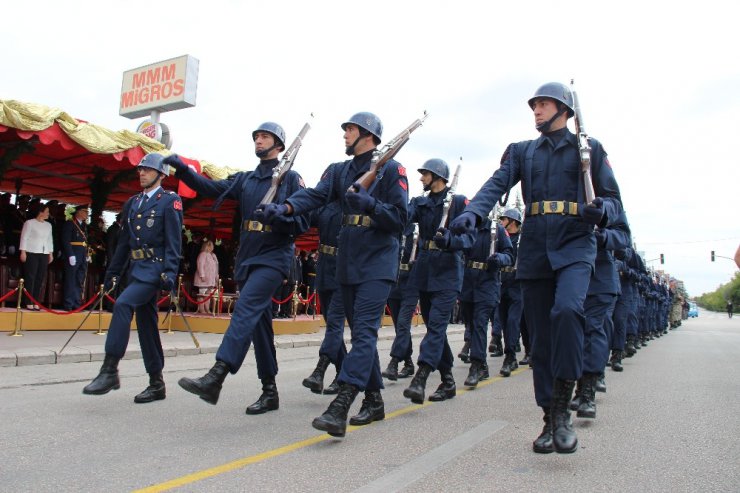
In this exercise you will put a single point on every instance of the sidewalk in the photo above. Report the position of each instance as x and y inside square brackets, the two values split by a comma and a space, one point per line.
[42, 347]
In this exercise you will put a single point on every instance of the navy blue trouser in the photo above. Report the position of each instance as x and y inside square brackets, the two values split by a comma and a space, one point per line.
[364, 305]
[402, 314]
[251, 323]
[510, 316]
[332, 309]
[554, 311]
[139, 297]
[497, 328]
[598, 309]
[476, 317]
[74, 278]
[436, 308]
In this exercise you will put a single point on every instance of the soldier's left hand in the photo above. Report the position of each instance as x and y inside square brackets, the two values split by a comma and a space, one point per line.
[494, 261]
[442, 238]
[167, 283]
[360, 200]
[267, 213]
[600, 238]
[592, 213]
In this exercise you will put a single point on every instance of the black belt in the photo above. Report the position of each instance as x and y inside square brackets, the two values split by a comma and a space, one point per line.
[142, 253]
[329, 250]
[552, 207]
[257, 226]
[356, 220]
[477, 265]
[508, 269]
[429, 245]
[404, 267]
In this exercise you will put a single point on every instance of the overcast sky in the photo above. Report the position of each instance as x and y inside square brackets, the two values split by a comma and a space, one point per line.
[659, 87]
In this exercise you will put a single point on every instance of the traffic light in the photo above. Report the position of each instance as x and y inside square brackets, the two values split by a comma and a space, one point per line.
[712, 255]
[662, 259]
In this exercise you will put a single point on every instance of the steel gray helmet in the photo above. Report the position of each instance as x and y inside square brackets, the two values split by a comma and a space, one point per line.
[274, 129]
[438, 167]
[513, 214]
[154, 161]
[558, 92]
[367, 121]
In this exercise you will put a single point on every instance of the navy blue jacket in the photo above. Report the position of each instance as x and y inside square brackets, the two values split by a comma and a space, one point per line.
[551, 172]
[605, 278]
[328, 219]
[275, 248]
[365, 253]
[157, 226]
[401, 286]
[438, 270]
[77, 234]
[485, 285]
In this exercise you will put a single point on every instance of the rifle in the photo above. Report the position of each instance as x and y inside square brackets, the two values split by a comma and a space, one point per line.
[494, 233]
[285, 164]
[380, 157]
[583, 147]
[448, 197]
[415, 244]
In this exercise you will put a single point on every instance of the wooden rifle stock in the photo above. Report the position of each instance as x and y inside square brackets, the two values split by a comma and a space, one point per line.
[583, 147]
[380, 157]
[285, 164]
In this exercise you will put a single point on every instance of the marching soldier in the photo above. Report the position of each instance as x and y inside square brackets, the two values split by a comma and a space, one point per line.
[510, 307]
[557, 249]
[438, 275]
[262, 262]
[367, 264]
[150, 241]
[74, 246]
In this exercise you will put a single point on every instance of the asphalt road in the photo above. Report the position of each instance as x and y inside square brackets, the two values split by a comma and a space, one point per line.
[667, 423]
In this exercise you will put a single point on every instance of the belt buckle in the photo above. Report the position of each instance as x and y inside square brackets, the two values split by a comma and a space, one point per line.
[556, 207]
[255, 226]
[137, 254]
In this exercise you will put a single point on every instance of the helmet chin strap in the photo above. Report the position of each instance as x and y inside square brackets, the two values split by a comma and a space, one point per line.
[350, 150]
[265, 152]
[545, 127]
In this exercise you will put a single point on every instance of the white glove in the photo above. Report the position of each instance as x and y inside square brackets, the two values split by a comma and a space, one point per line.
[73, 261]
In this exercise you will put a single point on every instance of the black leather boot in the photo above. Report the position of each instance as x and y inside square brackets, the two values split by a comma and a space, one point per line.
[372, 409]
[415, 390]
[446, 389]
[407, 370]
[315, 381]
[473, 374]
[636, 341]
[106, 380]
[391, 373]
[207, 387]
[629, 347]
[155, 391]
[334, 419]
[576, 401]
[587, 404]
[464, 353]
[564, 439]
[617, 360]
[527, 359]
[600, 384]
[509, 365]
[484, 374]
[333, 387]
[496, 347]
[543, 443]
[269, 400]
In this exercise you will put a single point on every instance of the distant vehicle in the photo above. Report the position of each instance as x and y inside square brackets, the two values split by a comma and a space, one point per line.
[693, 310]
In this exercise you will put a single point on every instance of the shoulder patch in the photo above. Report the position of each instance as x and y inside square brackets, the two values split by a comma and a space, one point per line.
[401, 170]
[301, 183]
[606, 160]
[177, 205]
[467, 201]
[403, 184]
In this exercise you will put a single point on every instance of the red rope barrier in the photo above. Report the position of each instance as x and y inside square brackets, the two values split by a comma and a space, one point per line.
[8, 294]
[290, 297]
[306, 301]
[56, 312]
[164, 298]
[191, 300]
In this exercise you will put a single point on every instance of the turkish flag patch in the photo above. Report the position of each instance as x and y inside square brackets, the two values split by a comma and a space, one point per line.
[177, 204]
[402, 171]
[403, 184]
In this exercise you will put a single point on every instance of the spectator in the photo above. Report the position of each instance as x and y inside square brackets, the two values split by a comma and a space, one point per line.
[36, 253]
[206, 274]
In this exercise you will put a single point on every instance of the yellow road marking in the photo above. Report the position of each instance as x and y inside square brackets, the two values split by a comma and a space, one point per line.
[253, 459]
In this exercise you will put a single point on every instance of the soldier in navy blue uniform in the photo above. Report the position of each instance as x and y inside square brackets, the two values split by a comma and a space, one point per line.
[481, 291]
[510, 307]
[328, 219]
[74, 248]
[402, 303]
[262, 262]
[367, 266]
[438, 275]
[603, 291]
[623, 310]
[556, 252]
[150, 245]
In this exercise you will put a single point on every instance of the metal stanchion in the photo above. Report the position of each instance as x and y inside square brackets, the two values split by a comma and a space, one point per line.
[100, 331]
[217, 298]
[176, 300]
[18, 313]
[295, 301]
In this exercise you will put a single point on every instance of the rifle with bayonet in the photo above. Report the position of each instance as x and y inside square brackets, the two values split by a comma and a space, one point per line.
[583, 147]
[285, 164]
[448, 198]
[494, 231]
[380, 157]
